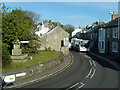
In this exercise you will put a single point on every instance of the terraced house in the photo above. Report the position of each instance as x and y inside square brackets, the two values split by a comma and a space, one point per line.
[108, 37]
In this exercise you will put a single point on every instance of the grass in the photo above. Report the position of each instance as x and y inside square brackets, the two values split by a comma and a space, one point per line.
[42, 57]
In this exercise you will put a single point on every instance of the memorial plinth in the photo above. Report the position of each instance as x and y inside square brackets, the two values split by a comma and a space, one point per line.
[17, 55]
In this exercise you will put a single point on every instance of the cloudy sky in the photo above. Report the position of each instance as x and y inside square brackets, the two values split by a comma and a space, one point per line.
[75, 13]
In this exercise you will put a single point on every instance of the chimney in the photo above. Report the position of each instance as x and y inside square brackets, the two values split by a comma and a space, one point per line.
[83, 27]
[50, 20]
[58, 24]
[114, 16]
[79, 27]
[101, 22]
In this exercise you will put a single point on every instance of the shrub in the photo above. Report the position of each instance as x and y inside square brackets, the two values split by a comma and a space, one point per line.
[6, 60]
[30, 51]
[48, 49]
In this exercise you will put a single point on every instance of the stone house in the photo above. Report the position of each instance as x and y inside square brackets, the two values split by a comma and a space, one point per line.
[56, 39]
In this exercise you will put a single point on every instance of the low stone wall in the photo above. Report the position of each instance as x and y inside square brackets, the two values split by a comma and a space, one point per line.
[32, 70]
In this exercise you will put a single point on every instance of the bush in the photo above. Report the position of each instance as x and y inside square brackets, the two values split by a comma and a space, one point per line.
[30, 51]
[48, 49]
[6, 60]
[31, 48]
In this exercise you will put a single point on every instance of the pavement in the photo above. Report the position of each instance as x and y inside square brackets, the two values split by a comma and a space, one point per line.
[112, 62]
[45, 75]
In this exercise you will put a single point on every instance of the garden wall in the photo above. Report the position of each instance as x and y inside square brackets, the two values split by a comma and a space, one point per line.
[32, 70]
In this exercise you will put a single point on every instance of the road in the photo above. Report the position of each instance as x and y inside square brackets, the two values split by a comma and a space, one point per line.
[85, 72]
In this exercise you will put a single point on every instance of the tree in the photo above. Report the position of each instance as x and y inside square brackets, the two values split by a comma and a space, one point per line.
[69, 28]
[6, 60]
[96, 22]
[17, 24]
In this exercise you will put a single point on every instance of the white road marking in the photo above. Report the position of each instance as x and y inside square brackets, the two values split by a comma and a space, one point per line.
[90, 62]
[72, 86]
[82, 84]
[89, 73]
[93, 73]
[94, 63]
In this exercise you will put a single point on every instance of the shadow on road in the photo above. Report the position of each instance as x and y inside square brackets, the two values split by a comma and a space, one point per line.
[99, 60]
[102, 62]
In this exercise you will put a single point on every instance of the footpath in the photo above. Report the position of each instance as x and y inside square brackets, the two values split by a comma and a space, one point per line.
[68, 60]
[111, 60]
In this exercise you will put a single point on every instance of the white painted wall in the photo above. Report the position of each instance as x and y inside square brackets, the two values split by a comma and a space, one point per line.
[76, 31]
[101, 40]
[44, 29]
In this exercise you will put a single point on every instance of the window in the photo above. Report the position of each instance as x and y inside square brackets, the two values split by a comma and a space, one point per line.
[62, 43]
[115, 32]
[91, 35]
[40, 34]
[114, 46]
[108, 33]
[102, 45]
[100, 32]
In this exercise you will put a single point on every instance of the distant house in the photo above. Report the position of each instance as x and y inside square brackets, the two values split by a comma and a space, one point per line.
[42, 28]
[57, 39]
[92, 36]
[76, 31]
[82, 34]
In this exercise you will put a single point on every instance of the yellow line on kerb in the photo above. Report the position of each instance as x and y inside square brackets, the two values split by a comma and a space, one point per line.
[45, 77]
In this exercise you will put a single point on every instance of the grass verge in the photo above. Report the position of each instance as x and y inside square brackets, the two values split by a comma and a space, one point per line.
[42, 57]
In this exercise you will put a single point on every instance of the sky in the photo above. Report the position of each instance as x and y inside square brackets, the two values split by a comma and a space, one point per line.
[74, 13]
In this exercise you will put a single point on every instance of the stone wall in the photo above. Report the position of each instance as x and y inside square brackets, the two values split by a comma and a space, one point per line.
[32, 70]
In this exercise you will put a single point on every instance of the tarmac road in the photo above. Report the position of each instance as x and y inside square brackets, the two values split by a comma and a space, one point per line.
[85, 72]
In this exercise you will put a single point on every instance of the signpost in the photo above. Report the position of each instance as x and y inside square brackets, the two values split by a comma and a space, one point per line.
[20, 74]
[65, 41]
[24, 41]
[10, 78]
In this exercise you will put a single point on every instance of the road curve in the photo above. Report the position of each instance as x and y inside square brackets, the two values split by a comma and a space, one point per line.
[76, 72]
[83, 73]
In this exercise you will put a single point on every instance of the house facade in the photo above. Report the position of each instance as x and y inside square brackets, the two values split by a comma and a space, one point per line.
[57, 39]
[42, 28]
[108, 40]
[101, 39]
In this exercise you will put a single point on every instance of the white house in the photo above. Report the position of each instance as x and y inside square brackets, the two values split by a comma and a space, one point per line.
[76, 31]
[42, 29]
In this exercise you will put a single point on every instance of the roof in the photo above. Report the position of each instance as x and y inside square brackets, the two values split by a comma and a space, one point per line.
[113, 23]
[57, 27]
[94, 29]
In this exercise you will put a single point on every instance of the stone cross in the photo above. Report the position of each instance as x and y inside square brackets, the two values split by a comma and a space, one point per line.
[16, 50]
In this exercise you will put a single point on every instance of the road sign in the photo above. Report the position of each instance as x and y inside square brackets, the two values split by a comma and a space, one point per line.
[10, 78]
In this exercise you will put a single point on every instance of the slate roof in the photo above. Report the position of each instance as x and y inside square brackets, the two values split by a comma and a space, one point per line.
[112, 23]
[94, 29]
